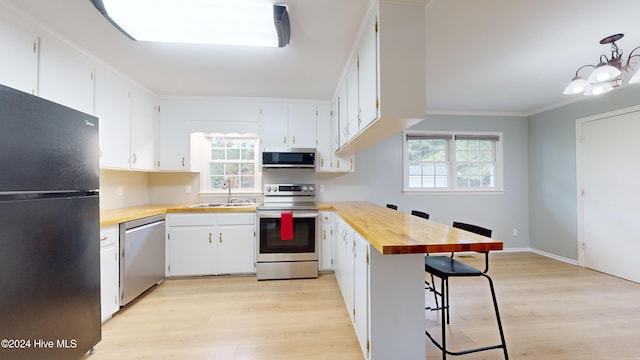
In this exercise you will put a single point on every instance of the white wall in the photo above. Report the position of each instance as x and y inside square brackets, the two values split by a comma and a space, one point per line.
[378, 179]
[552, 169]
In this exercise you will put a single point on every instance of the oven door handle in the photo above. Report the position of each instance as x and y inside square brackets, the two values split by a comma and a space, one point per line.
[295, 215]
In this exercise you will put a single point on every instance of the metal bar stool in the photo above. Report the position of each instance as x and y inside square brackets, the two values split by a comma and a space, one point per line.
[444, 267]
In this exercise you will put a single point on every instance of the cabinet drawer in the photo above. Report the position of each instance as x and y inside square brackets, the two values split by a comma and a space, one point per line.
[237, 219]
[109, 235]
[191, 219]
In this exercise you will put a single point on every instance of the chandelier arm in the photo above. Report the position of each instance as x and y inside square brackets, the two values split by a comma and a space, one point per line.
[584, 66]
[628, 66]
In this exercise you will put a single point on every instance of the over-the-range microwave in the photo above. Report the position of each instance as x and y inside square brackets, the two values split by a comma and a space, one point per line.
[289, 158]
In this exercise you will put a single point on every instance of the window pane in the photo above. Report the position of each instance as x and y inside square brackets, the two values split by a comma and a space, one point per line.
[247, 169]
[233, 154]
[427, 158]
[217, 154]
[232, 169]
[216, 169]
[247, 182]
[247, 154]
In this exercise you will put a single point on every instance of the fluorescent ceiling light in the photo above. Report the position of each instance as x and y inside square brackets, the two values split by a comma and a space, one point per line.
[221, 22]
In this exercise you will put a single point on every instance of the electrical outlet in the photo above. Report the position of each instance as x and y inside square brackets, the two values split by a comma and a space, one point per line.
[515, 232]
[321, 188]
[120, 191]
[188, 189]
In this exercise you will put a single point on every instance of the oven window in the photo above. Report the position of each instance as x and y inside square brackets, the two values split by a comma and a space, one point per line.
[304, 236]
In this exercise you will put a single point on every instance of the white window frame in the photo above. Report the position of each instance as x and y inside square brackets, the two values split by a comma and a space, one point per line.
[205, 161]
[452, 164]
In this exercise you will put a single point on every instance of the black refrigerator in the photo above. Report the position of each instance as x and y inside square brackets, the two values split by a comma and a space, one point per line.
[49, 229]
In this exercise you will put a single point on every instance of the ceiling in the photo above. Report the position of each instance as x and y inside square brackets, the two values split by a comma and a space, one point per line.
[482, 56]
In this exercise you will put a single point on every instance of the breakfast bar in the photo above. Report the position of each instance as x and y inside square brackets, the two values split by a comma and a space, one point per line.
[398, 242]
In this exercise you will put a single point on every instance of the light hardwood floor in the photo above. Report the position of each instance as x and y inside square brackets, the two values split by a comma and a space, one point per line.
[550, 310]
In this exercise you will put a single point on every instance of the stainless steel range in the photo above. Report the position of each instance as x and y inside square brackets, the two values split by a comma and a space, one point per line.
[286, 242]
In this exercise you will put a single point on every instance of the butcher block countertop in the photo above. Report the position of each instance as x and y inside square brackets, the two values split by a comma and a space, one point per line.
[388, 231]
[396, 232]
[116, 216]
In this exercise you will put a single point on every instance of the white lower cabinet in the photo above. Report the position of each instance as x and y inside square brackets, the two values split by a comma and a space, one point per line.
[109, 271]
[210, 244]
[325, 261]
[351, 265]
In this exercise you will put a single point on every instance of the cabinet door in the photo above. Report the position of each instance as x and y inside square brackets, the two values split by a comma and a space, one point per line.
[323, 135]
[112, 107]
[338, 249]
[109, 271]
[236, 249]
[340, 126]
[361, 291]
[192, 251]
[349, 270]
[368, 73]
[66, 76]
[326, 260]
[302, 125]
[109, 277]
[19, 60]
[144, 130]
[273, 126]
[353, 107]
[174, 135]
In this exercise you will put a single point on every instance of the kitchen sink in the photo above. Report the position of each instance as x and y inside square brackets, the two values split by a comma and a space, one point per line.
[223, 205]
[208, 205]
[239, 204]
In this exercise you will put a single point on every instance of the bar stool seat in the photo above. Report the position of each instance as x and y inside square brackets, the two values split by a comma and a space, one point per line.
[444, 267]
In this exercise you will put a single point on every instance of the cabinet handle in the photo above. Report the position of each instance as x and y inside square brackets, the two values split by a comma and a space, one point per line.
[324, 234]
[104, 238]
[220, 238]
[135, 158]
[210, 242]
[294, 140]
[321, 162]
[284, 140]
[183, 162]
[338, 164]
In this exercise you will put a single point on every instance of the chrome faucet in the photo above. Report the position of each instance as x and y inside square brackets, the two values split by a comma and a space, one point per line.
[227, 185]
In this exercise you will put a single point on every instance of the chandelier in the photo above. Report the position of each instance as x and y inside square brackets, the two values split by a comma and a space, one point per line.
[607, 75]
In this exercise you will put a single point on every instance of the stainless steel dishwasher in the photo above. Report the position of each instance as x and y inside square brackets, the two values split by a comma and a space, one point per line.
[142, 256]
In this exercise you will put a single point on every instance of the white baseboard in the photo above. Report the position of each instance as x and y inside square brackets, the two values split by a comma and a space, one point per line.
[554, 256]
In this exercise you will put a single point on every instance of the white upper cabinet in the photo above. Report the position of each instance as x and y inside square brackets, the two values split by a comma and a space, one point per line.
[288, 125]
[327, 161]
[390, 71]
[112, 107]
[66, 76]
[353, 106]
[302, 125]
[174, 138]
[144, 130]
[368, 74]
[19, 60]
[274, 125]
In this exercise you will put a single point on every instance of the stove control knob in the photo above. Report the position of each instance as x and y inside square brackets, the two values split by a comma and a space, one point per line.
[304, 188]
[268, 188]
[311, 188]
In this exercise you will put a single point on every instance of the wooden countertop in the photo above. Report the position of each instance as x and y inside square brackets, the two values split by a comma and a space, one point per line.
[396, 232]
[116, 216]
[388, 231]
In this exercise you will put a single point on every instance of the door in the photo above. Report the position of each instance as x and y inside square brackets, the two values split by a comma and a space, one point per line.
[236, 249]
[192, 251]
[52, 147]
[50, 274]
[302, 247]
[610, 192]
